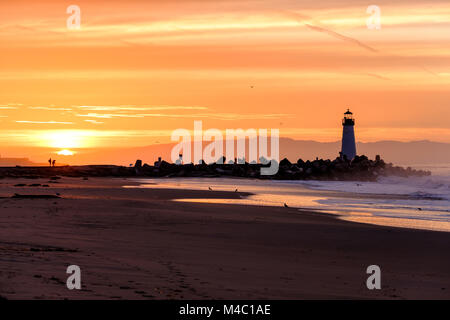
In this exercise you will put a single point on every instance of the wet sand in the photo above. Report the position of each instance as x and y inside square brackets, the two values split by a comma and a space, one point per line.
[139, 244]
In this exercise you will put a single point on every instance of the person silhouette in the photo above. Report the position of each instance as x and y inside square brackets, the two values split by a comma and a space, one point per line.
[53, 162]
[50, 162]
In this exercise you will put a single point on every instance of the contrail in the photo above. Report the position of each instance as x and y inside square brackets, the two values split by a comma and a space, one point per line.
[341, 37]
[300, 18]
[429, 71]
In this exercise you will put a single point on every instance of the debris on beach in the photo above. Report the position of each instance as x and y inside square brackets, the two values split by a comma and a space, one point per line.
[34, 196]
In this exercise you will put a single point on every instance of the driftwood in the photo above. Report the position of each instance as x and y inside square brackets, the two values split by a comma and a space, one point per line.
[34, 196]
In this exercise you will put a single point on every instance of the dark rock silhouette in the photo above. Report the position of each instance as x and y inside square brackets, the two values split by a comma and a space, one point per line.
[359, 169]
[138, 164]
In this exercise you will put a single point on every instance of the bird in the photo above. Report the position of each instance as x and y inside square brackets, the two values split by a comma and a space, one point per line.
[236, 190]
[210, 189]
[285, 205]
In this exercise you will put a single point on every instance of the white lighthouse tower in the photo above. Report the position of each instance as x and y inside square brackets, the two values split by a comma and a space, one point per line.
[348, 136]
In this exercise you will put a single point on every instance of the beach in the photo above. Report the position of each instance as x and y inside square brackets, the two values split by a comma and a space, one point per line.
[138, 243]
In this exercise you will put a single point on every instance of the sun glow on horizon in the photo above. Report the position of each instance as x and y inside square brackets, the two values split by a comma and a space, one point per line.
[65, 152]
[66, 139]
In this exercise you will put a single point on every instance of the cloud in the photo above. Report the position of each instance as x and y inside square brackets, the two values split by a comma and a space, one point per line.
[216, 116]
[7, 107]
[220, 116]
[51, 108]
[109, 115]
[135, 108]
[43, 122]
[94, 121]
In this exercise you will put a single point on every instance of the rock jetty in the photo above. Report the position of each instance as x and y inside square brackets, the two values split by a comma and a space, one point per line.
[361, 168]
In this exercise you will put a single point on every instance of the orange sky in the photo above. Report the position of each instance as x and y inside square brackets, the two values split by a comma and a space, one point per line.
[136, 70]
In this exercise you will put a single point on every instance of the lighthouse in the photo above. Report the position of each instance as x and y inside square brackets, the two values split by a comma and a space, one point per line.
[348, 136]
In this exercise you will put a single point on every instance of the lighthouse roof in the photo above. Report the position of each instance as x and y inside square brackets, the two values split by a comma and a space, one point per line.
[348, 112]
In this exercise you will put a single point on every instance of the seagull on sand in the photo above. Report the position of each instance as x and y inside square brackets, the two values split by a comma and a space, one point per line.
[285, 205]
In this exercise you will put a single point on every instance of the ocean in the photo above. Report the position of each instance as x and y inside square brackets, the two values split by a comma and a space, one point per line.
[415, 202]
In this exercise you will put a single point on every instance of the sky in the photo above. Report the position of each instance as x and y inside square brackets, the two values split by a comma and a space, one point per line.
[137, 70]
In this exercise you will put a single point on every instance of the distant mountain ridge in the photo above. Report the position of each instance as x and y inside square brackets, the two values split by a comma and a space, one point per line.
[415, 152]
[406, 153]
[411, 152]
[7, 162]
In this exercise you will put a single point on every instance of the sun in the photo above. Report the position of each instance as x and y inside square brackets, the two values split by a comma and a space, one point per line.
[65, 152]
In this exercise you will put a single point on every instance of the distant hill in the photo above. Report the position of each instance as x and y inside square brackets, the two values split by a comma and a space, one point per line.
[415, 152]
[423, 152]
[10, 162]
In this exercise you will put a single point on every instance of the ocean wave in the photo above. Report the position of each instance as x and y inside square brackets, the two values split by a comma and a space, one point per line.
[430, 188]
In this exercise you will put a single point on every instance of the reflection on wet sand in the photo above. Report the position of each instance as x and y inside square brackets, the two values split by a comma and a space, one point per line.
[379, 209]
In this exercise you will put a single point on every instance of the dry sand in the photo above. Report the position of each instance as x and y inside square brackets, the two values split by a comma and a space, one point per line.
[138, 244]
